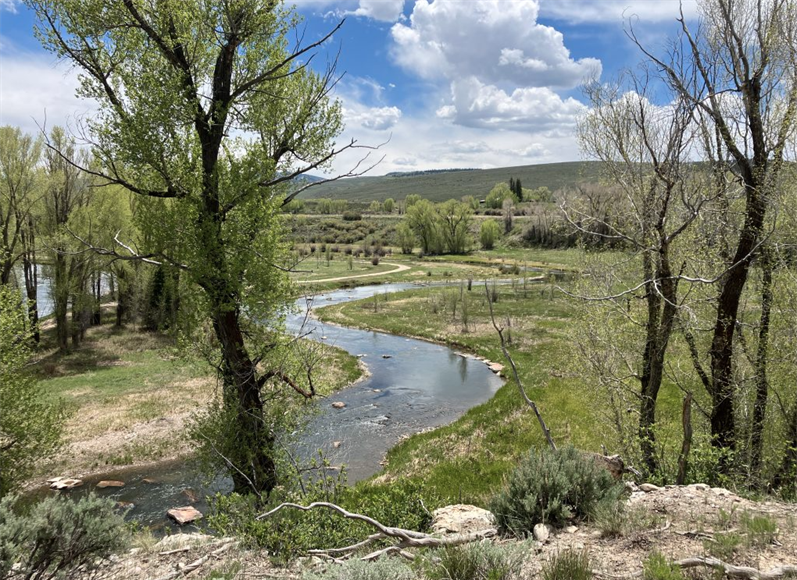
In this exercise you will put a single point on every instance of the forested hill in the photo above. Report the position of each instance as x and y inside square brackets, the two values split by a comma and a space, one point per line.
[442, 185]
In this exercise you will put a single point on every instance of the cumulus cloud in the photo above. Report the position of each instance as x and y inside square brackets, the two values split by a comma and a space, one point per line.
[383, 10]
[375, 118]
[35, 90]
[580, 11]
[535, 109]
[495, 41]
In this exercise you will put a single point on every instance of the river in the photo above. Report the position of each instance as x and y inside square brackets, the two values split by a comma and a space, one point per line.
[413, 385]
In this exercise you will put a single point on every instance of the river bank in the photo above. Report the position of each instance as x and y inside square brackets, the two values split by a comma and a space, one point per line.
[127, 395]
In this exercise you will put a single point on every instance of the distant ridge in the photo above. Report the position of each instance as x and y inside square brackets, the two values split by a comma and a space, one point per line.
[442, 184]
[428, 172]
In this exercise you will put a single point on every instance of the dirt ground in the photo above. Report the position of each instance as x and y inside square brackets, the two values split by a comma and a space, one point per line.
[678, 522]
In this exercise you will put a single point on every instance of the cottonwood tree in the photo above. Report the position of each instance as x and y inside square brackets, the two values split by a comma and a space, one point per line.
[455, 218]
[736, 69]
[207, 112]
[20, 189]
[645, 151]
[66, 192]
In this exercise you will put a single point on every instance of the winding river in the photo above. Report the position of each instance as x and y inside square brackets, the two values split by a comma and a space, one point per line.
[413, 385]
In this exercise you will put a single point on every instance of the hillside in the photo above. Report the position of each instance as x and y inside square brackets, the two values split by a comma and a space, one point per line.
[442, 185]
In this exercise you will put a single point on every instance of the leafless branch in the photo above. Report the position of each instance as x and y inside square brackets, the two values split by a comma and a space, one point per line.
[529, 402]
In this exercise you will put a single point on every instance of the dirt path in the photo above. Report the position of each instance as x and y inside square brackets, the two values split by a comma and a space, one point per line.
[399, 268]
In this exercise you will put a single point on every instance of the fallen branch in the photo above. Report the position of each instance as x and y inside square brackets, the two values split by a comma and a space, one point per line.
[729, 570]
[738, 571]
[529, 402]
[185, 569]
[407, 538]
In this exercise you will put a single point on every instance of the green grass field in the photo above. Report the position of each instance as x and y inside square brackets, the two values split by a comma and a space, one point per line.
[466, 461]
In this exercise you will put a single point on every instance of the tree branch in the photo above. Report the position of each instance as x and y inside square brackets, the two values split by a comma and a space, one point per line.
[529, 402]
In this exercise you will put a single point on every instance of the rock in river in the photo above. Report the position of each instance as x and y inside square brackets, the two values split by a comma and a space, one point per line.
[110, 483]
[184, 515]
[64, 483]
[338, 405]
[495, 367]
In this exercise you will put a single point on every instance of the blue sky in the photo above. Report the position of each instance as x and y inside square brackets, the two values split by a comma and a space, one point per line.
[442, 83]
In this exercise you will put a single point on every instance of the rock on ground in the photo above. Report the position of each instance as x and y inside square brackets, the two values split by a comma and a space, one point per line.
[461, 519]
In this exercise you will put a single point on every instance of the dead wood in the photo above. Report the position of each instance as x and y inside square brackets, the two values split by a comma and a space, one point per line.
[406, 538]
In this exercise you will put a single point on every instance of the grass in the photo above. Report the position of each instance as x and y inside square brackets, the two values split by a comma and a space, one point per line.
[313, 269]
[568, 565]
[127, 392]
[468, 459]
[421, 271]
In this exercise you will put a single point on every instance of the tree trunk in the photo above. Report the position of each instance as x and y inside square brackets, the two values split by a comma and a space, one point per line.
[761, 380]
[28, 239]
[662, 309]
[242, 392]
[31, 282]
[686, 444]
[786, 477]
[60, 295]
[96, 287]
[723, 425]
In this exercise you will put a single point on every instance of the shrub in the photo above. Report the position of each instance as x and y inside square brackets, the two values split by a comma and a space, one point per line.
[761, 530]
[30, 425]
[552, 487]
[290, 533]
[382, 569]
[723, 546]
[658, 567]
[509, 269]
[352, 216]
[477, 561]
[614, 519]
[375, 260]
[568, 565]
[488, 234]
[58, 535]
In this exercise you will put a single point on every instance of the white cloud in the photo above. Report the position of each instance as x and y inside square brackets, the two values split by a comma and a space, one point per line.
[383, 10]
[374, 118]
[580, 11]
[422, 141]
[493, 40]
[531, 109]
[34, 90]
[9, 5]
[534, 150]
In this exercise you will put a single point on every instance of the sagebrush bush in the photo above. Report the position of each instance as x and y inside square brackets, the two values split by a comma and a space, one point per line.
[478, 561]
[382, 569]
[58, 535]
[552, 487]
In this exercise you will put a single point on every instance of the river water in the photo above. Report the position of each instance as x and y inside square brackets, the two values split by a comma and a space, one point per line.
[413, 385]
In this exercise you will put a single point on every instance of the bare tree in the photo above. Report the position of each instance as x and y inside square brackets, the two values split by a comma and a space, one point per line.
[645, 151]
[736, 69]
